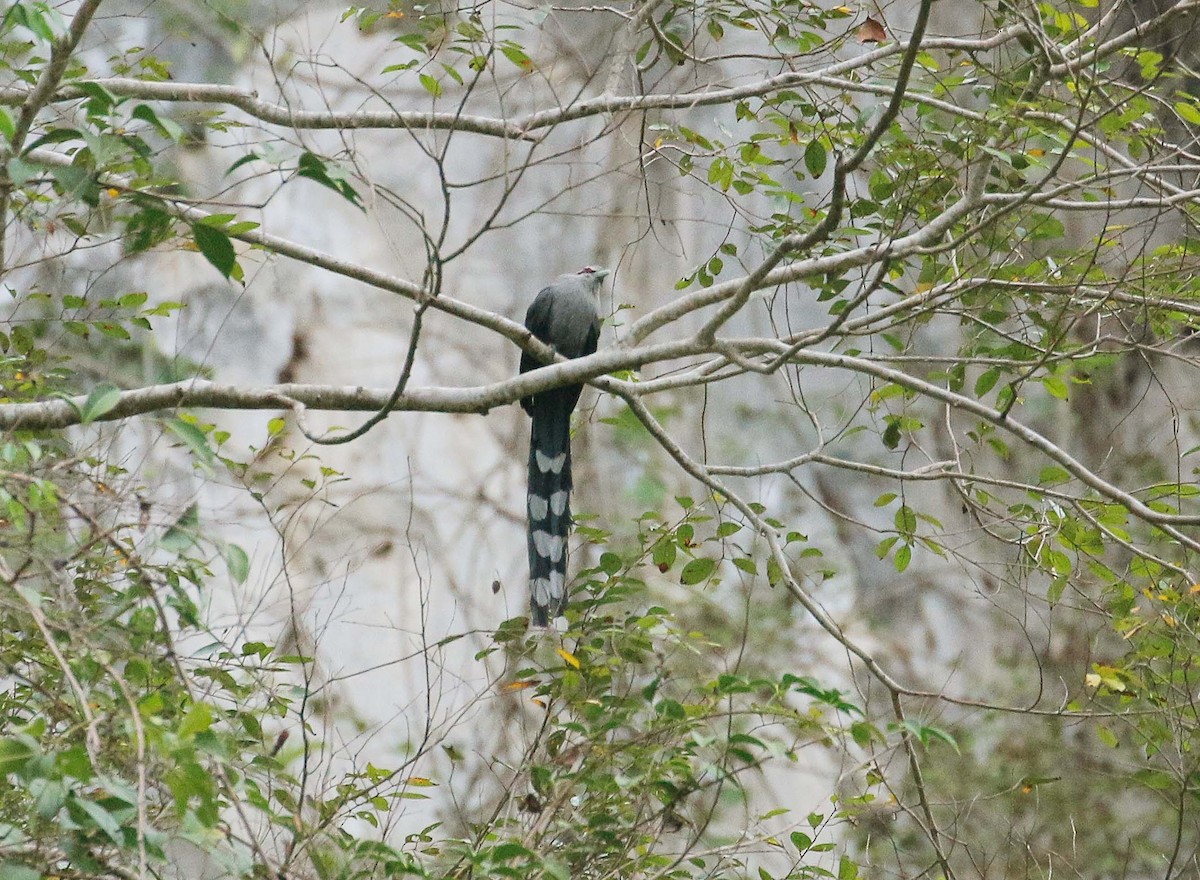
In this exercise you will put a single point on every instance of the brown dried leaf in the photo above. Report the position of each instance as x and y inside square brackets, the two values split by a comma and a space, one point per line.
[871, 31]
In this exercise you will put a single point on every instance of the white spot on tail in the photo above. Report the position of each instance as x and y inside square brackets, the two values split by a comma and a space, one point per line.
[537, 507]
[546, 464]
[558, 502]
[548, 546]
[540, 590]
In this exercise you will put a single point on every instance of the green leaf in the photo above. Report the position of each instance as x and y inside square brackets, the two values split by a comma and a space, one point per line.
[986, 381]
[1107, 737]
[77, 182]
[431, 85]
[1187, 112]
[516, 55]
[100, 817]
[1055, 590]
[217, 221]
[15, 754]
[891, 434]
[193, 438]
[863, 733]
[237, 561]
[1053, 476]
[168, 128]
[17, 871]
[880, 185]
[198, 719]
[216, 247]
[815, 158]
[36, 19]
[55, 136]
[720, 172]
[249, 157]
[697, 570]
[925, 733]
[50, 799]
[1056, 386]
[101, 400]
[316, 169]
[746, 564]
[111, 329]
[507, 851]
[1155, 779]
[21, 171]
[181, 534]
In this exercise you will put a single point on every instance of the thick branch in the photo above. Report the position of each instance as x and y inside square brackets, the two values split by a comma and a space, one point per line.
[61, 413]
[519, 128]
[281, 114]
[65, 412]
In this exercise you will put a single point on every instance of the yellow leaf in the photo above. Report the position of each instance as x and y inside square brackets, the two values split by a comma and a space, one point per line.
[1037, 152]
[569, 657]
[519, 685]
[420, 781]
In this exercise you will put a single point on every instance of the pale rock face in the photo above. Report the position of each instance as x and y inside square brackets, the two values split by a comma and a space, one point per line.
[430, 515]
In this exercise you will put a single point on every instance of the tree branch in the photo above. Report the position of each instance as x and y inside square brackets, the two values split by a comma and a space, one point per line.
[519, 128]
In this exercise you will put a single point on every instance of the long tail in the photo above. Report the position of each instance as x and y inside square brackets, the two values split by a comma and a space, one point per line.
[548, 505]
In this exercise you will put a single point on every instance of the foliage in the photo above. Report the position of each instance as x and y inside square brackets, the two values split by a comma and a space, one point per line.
[120, 744]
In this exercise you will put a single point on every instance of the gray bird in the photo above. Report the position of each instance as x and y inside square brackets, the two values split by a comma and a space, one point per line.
[564, 315]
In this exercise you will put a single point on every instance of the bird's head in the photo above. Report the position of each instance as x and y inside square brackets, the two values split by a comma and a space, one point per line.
[592, 277]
